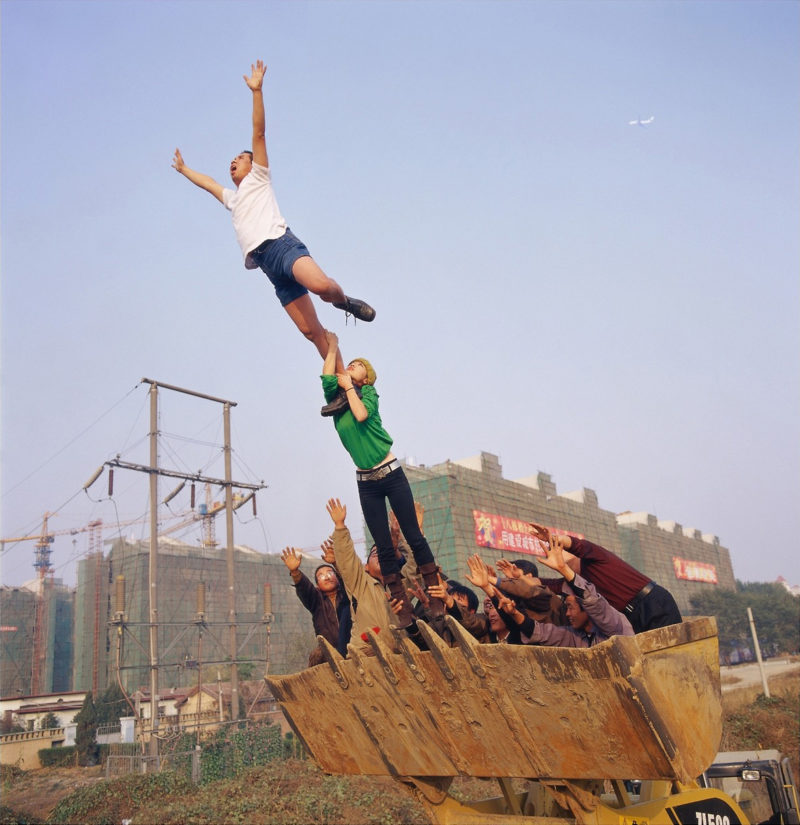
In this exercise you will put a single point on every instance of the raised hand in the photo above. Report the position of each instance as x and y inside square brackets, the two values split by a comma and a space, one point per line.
[327, 551]
[439, 591]
[509, 569]
[291, 558]
[257, 73]
[479, 574]
[395, 605]
[344, 379]
[177, 161]
[555, 554]
[337, 511]
[540, 531]
[505, 604]
[418, 593]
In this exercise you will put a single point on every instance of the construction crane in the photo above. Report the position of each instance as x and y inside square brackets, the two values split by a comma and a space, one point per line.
[205, 514]
[44, 577]
[44, 572]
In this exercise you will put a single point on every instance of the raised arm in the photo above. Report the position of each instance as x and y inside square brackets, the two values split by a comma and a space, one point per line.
[197, 178]
[329, 365]
[254, 83]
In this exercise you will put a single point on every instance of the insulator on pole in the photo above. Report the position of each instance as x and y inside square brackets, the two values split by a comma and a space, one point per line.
[174, 492]
[254, 505]
[110, 482]
[267, 598]
[94, 477]
[120, 594]
[192, 500]
[201, 598]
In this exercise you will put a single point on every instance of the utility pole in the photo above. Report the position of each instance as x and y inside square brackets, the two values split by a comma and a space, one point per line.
[154, 472]
[757, 646]
[153, 571]
[229, 555]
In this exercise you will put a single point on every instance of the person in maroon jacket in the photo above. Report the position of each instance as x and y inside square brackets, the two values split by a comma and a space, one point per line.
[646, 605]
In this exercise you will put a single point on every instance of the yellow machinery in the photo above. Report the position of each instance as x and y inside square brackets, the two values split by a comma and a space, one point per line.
[575, 723]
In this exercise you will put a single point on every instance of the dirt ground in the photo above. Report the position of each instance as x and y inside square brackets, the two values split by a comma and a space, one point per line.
[36, 793]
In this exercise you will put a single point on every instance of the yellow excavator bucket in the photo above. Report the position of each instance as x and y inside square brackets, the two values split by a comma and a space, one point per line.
[644, 707]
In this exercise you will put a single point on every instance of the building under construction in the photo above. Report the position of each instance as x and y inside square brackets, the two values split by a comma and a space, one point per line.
[112, 606]
[36, 659]
[470, 508]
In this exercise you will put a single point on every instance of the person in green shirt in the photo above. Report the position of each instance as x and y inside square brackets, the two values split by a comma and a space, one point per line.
[379, 475]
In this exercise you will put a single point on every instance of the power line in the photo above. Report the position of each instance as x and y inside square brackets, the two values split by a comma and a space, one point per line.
[70, 443]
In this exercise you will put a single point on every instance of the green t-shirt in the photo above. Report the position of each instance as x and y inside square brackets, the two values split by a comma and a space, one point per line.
[366, 441]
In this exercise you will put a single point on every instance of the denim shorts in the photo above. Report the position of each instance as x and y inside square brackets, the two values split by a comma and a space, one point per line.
[276, 259]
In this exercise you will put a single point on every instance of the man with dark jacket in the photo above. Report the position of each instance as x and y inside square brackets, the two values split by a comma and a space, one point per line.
[326, 601]
[646, 605]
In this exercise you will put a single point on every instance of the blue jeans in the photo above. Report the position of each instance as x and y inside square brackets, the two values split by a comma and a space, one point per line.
[373, 496]
[276, 259]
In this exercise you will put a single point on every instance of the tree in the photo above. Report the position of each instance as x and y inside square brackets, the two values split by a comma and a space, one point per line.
[111, 705]
[86, 733]
[49, 720]
[775, 611]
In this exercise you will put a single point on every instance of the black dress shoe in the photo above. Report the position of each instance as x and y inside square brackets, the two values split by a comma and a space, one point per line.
[338, 405]
[358, 309]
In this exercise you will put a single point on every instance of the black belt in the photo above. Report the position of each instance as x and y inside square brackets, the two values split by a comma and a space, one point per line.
[379, 472]
[631, 605]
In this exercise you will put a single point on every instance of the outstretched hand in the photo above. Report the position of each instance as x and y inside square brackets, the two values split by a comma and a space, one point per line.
[177, 161]
[439, 591]
[395, 605]
[257, 73]
[479, 574]
[509, 569]
[337, 511]
[418, 593]
[333, 340]
[291, 558]
[344, 379]
[505, 604]
[540, 532]
[555, 555]
[327, 551]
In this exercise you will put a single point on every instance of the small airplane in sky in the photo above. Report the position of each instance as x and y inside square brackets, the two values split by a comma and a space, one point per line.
[641, 122]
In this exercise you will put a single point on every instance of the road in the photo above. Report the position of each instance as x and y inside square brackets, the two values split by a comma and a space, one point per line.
[750, 674]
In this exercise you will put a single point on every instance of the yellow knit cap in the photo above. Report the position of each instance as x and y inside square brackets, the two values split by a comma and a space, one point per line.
[371, 376]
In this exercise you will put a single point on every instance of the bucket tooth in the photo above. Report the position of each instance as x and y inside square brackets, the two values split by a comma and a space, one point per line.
[409, 652]
[355, 657]
[437, 648]
[468, 645]
[382, 654]
[334, 659]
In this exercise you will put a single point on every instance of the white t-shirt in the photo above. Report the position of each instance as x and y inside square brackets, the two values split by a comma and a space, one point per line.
[256, 217]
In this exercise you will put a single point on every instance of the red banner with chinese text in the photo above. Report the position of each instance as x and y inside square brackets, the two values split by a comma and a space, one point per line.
[694, 571]
[509, 534]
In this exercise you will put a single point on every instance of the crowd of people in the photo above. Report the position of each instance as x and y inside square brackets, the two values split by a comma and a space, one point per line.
[586, 596]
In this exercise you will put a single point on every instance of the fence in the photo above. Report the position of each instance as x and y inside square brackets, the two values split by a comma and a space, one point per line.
[121, 764]
[222, 752]
[106, 734]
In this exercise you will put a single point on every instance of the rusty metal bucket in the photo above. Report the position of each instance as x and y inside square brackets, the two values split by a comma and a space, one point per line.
[645, 707]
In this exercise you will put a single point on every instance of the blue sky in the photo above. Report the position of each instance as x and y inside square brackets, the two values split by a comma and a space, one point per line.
[615, 305]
